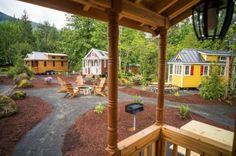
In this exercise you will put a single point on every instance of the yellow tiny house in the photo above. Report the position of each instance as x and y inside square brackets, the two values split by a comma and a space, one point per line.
[47, 63]
[189, 66]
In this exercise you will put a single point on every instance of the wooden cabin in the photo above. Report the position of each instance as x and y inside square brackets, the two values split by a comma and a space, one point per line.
[155, 17]
[47, 63]
[189, 66]
[95, 62]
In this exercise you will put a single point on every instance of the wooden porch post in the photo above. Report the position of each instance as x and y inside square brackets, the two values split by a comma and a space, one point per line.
[161, 76]
[113, 37]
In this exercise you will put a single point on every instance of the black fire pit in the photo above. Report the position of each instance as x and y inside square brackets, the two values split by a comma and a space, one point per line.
[134, 108]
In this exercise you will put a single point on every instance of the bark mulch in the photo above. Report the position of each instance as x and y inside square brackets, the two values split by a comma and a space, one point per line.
[193, 99]
[88, 135]
[5, 80]
[31, 111]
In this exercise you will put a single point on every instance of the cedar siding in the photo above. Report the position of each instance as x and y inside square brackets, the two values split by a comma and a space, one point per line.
[41, 62]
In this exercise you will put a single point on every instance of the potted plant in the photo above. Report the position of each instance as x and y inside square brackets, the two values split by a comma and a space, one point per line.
[48, 80]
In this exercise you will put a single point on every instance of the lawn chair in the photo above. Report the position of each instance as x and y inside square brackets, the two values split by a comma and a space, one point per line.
[80, 82]
[61, 83]
[100, 89]
[70, 91]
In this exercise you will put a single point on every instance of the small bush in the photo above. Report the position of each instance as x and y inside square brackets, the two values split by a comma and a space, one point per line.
[176, 93]
[184, 111]
[19, 68]
[25, 84]
[7, 106]
[137, 99]
[212, 87]
[20, 77]
[99, 108]
[136, 79]
[18, 95]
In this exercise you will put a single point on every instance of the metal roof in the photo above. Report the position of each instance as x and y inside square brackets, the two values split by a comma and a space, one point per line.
[35, 55]
[215, 52]
[194, 55]
[103, 55]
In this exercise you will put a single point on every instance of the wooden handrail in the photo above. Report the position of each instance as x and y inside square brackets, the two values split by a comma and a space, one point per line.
[140, 140]
[148, 138]
[194, 142]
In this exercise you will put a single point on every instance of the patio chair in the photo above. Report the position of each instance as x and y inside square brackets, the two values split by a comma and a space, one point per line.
[100, 89]
[61, 83]
[70, 91]
[80, 82]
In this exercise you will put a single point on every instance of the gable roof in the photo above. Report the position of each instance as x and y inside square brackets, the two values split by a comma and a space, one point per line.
[102, 55]
[188, 56]
[41, 55]
[215, 52]
[194, 55]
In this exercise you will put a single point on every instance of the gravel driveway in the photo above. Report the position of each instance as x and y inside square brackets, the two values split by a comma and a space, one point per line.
[46, 139]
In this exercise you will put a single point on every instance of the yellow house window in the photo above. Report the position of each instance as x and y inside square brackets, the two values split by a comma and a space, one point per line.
[178, 70]
[187, 70]
[223, 58]
[45, 63]
[53, 63]
[205, 70]
[62, 63]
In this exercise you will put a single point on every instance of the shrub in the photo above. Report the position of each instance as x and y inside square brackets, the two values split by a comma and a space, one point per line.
[19, 68]
[176, 93]
[18, 95]
[25, 83]
[137, 79]
[7, 106]
[137, 99]
[184, 111]
[212, 87]
[99, 108]
[20, 77]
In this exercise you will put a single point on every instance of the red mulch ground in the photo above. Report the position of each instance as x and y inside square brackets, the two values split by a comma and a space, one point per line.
[193, 99]
[88, 135]
[231, 115]
[31, 111]
[4, 80]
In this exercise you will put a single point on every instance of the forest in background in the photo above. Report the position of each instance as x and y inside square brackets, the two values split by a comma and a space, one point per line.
[81, 34]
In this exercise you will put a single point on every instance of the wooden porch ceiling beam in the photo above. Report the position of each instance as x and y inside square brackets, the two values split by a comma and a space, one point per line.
[132, 11]
[180, 7]
[163, 5]
[181, 17]
[80, 9]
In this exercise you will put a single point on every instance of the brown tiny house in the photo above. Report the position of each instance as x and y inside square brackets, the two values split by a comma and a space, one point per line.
[47, 63]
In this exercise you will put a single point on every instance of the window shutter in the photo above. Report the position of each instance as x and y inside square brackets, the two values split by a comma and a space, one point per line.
[201, 72]
[192, 69]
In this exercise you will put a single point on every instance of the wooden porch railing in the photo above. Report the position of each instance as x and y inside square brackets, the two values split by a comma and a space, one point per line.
[145, 143]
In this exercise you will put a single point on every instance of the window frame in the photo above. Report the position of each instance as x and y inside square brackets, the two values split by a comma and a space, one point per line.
[221, 68]
[223, 59]
[189, 70]
[203, 73]
[178, 69]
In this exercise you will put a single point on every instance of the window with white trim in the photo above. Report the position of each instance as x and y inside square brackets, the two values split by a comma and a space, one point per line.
[222, 70]
[178, 69]
[187, 70]
[205, 70]
[223, 58]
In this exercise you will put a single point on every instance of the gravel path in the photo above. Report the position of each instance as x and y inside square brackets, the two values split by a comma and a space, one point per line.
[46, 139]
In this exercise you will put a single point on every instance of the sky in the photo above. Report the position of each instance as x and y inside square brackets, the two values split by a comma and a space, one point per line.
[36, 13]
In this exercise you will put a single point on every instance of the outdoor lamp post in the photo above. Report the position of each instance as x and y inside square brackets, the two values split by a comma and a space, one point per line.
[212, 18]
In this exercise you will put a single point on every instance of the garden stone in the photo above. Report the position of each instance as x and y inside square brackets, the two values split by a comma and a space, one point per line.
[7, 106]
[18, 95]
